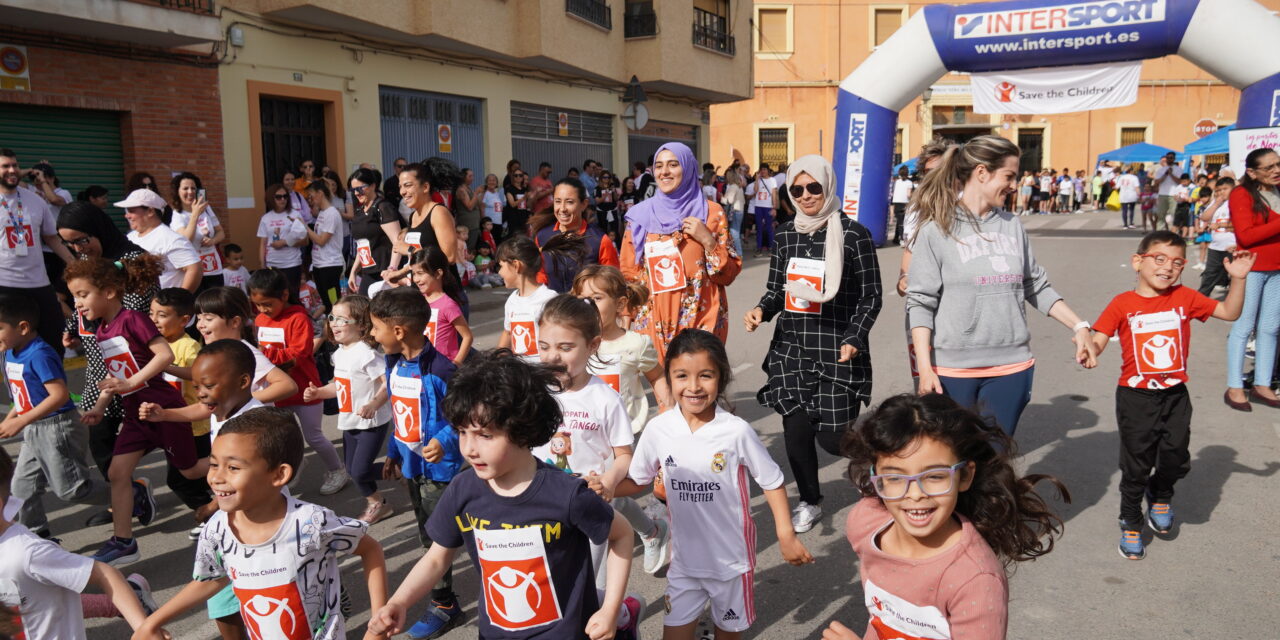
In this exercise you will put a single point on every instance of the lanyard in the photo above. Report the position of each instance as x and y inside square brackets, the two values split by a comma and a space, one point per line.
[17, 223]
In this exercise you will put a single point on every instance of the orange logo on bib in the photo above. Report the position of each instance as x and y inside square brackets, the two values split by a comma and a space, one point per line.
[344, 394]
[274, 613]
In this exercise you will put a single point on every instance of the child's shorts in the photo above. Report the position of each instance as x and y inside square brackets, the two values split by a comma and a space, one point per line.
[732, 601]
[173, 437]
[223, 603]
[1204, 237]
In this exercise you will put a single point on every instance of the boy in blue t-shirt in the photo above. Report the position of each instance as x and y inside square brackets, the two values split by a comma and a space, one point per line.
[423, 448]
[45, 416]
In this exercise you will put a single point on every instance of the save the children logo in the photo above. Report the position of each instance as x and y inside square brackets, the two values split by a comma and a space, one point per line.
[1004, 91]
[274, 613]
[516, 579]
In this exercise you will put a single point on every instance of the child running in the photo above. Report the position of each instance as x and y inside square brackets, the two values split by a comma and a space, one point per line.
[519, 263]
[360, 386]
[1153, 406]
[423, 448]
[625, 358]
[286, 336]
[447, 329]
[594, 442]
[224, 313]
[279, 554]
[134, 355]
[527, 526]
[40, 583]
[942, 515]
[702, 455]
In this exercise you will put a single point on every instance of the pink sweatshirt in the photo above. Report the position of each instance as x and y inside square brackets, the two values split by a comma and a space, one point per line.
[959, 594]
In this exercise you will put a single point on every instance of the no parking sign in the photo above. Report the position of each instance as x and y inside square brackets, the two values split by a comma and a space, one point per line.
[444, 138]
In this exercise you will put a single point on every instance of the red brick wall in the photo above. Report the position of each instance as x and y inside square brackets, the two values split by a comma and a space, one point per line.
[171, 118]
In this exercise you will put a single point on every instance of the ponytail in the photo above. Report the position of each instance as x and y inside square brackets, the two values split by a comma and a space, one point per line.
[938, 198]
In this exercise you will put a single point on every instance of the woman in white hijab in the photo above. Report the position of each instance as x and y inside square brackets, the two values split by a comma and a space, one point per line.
[824, 285]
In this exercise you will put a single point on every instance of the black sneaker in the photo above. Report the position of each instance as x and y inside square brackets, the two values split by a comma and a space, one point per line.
[144, 502]
[98, 519]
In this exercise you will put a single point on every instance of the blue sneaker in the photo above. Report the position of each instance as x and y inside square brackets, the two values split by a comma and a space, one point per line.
[144, 502]
[437, 620]
[116, 553]
[1159, 515]
[1131, 546]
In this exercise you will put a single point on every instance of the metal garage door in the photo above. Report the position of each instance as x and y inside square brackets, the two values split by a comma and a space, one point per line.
[535, 138]
[83, 146]
[645, 142]
[411, 127]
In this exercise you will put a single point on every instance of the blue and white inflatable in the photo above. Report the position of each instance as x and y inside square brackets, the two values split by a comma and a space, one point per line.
[1231, 39]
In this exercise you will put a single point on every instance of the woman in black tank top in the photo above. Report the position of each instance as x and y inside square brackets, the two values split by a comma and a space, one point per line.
[431, 224]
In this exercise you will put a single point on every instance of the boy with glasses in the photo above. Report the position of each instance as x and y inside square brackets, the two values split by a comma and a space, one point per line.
[1153, 407]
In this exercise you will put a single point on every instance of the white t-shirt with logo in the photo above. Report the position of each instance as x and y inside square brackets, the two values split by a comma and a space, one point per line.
[1046, 184]
[760, 191]
[238, 278]
[1128, 185]
[278, 226]
[41, 583]
[595, 421]
[26, 228]
[206, 227]
[1222, 240]
[356, 369]
[520, 318]
[494, 201]
[287, 586]
[902, 188]
[329, 255]
[705, 475]
[173, 249]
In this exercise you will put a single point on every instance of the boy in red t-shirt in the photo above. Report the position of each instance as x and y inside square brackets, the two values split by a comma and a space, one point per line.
[1153, 408]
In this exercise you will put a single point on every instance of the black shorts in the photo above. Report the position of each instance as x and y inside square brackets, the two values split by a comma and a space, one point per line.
[1182, 216]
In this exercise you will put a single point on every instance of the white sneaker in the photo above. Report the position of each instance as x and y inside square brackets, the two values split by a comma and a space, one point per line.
[1199, 266]
[334, 481]
[804, 516]
[655, 548]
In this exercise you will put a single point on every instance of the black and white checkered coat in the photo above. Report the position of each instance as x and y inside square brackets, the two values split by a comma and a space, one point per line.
[802, 365]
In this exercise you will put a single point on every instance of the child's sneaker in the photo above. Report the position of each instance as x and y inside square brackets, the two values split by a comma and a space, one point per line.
[117, 553]
[437, 620]
[142, 588]
[634, 606]
[805, 516]
[1131, 546]
[1159, 515]
[375, 512]
[144, 502]
[334, 481]
[656, 547]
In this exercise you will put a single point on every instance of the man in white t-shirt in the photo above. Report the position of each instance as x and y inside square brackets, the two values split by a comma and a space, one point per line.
[760, 193]
[1166, 178]
[29, 225]
[902, 188]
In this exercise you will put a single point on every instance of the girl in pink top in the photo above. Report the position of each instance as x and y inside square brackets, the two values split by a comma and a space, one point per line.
[447, 329]
[942, 516]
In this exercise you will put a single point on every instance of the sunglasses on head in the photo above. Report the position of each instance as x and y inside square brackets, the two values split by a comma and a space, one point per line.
[813, 187]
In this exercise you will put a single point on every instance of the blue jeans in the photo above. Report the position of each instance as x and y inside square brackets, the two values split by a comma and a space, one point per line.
[1001, 398]
[1126, 212]
[735, 229]
[1261, 315]
[764, 228]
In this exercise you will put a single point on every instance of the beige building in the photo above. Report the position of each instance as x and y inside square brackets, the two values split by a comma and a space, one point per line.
[804, 49]
[343, 82]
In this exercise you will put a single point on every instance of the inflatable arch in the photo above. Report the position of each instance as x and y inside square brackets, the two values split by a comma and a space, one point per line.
[1232, 39]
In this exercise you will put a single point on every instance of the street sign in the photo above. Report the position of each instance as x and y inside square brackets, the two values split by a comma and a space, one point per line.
[1204, 128]
[444, 138]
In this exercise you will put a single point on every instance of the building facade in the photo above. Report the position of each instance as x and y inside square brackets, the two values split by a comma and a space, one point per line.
[477, 81]
[803, 50]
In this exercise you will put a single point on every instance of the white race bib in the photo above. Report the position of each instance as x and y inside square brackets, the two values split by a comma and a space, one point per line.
[406, 408]
[811, 271]
[524, 334]
[118, 360]
[18, 387]
[516, 578]
[414, 239]
[364, 253]
[271, 338]
[665, 266]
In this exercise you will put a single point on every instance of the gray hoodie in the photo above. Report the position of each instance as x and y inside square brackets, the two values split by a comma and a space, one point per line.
[970, 290]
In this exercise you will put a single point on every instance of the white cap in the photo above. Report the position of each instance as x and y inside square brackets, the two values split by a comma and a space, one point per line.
[143, 198]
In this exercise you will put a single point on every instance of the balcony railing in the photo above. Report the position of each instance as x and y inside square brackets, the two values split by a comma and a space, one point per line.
[594, 11]
[639, 25]
[204, 7]
[710, 32]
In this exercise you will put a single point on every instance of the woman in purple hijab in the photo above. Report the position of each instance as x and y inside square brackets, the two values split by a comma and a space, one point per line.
[677, 244]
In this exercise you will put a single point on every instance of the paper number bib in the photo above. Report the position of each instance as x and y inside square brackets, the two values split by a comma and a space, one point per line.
[271, 338]
[811, 271]
[18, 239]
[897, 619]
[364, 253]
[430, 332]
[524, 334]
[270, 603]
[406, 409]
[414, 239]
[342, 382]
[18, 387]
[1157, 343]
[516, 577]
[118, 360]
[665, 266]
[609, 370]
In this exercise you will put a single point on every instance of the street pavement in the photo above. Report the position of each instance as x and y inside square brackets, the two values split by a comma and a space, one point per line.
[1218, 577]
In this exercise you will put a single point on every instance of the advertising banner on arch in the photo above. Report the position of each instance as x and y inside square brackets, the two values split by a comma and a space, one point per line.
[1242, 141]
[1057, 89]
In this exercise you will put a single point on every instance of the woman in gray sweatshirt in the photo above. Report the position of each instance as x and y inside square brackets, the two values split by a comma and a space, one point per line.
[972, 273]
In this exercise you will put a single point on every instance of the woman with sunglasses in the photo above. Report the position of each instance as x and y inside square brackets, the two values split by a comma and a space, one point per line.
[824, 288]
[1255, 217]
[517, 210]
[282, 233]
[375, 228]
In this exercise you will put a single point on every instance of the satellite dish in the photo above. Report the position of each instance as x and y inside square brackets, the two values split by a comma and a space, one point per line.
[635, 116]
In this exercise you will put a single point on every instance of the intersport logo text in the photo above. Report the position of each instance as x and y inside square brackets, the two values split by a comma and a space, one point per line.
[1084, 15]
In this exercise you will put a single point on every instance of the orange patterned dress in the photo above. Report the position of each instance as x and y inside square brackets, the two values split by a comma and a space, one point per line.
[701, 303]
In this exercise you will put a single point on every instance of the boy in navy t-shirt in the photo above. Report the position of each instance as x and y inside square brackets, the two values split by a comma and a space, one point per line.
[45, 416]
[527, 525]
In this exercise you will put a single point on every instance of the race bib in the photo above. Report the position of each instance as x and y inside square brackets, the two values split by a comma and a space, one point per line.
[406, 408]
[811, 271]
[1157, 343]
[210, 260]
[497, 208]
[524, 334]
[271, 338]
[364, 253]
[414, 239]
[18, 239]
[894, 618]
[11, 608]
[81, 327]
[762, 194]
[516, 577]
[174, 381]
[610, 371]
[665, 266]
[271, 604]
[343, 385]
[430, 332]
[18, 387]
[118, 360]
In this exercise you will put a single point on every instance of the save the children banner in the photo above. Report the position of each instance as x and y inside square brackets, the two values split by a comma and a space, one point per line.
[1057, 89]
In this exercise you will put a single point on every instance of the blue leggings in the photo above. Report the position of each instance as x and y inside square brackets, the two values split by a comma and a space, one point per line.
[1261, 315]
[1001, 398]
[764, 228]
[361, 447]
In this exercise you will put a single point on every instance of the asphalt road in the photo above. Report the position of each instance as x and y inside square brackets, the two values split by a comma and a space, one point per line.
[1217, 578]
